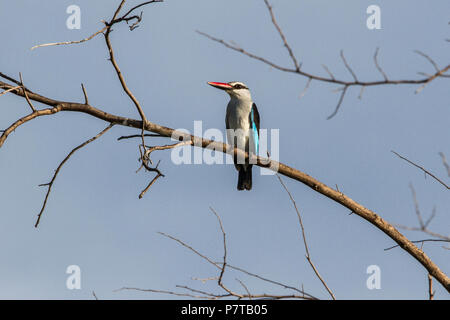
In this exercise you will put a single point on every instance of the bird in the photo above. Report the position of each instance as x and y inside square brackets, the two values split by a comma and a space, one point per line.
[242, 123]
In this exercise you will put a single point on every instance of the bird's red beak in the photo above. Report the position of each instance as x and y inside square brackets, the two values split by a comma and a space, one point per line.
[220, 85]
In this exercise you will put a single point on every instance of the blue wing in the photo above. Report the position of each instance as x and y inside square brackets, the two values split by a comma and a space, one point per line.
[254, 123]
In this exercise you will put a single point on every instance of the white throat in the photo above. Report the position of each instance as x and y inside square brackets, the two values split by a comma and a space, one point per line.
[241, 95]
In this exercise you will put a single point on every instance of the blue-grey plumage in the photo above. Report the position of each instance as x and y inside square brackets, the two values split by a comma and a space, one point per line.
[242, 123]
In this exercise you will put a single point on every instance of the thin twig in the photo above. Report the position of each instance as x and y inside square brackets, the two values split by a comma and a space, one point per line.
[245, 288]
[166, 292]
[306, 88]
[419, 241]
[191, 248]
[348, 66]
[430, 287]
[204, 280]
[328, 71]
[280, 32]
[331, 78]
[9, 90]
[429, 59]
[285, 286]
[71, 42]
[217, 265]
[26, 94]
[444, 162]
[416, 207]
[423, 169]
[341, 98]
[375, 58]
[86, 99]
[361, 92]
[139, 136]
[158, 175]
[423, 226]
[50, 184]
[434, 76]
[224, 263]
[424, 230]
[308, 256]
[138, 6]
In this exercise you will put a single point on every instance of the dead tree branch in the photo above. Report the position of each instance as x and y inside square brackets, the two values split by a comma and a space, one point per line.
[308, 256]
[222, 266]
[439, 72]
[419, 241]
[423, 169]
[317, 186]
[430, 287]
[57, 106]
[423, 225]
[70, 42]
[50, 184]
[280, 32]
[444, 162]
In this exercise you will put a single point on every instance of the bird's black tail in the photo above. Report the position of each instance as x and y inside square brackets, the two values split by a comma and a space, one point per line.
[245, 178]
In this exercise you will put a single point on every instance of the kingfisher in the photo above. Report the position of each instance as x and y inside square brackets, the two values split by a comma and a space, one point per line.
[242, 123]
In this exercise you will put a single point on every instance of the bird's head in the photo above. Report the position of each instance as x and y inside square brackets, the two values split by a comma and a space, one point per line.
[235, 89]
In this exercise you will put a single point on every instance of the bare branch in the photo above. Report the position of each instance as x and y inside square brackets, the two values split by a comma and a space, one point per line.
[25, 119]
[423, 226]
[191, 248]
[204, 280]
[86, 99]
[329, 72]
[308, 256]
[71, 42]
[280, 32]
[158, 175]
[429, 59]
[444, 162]
[139, 136]
[425, 230]
[283, 169]
[304, 295]
[375, 58]
[224, 263]
[9, 90]
[434, 76]
[11, 79]
[361, 92]
[50, 184]
[138, 6]
[416, 206]
[306, 88]
[119, 72]
[419, 241]
[245, 288]
[344, 90]
[348, 66]
[285, 286]
[167, 292]
[430, 287]
[331, 78]
[317, 186]
[423, 169]
[26, 94]
[239, 49]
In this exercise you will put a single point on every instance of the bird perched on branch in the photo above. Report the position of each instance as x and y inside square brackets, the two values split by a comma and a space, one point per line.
[242, 123]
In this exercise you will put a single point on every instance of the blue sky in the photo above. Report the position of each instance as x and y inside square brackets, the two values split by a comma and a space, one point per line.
[94, 218]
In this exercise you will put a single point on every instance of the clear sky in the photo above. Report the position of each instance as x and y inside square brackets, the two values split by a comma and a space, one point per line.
[94, 218]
